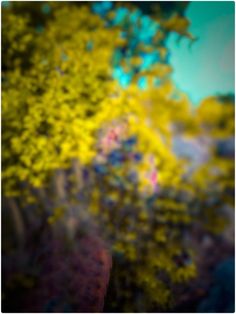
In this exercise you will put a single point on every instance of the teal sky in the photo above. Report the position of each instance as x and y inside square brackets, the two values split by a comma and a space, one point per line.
[207, 67]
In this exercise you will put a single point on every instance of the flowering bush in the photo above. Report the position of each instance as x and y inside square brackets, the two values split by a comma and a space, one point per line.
[90, 118]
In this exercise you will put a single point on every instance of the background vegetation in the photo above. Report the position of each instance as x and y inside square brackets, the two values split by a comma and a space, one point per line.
[99, 145]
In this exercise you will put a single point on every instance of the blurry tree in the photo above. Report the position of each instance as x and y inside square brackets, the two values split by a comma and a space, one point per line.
[89, 118]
